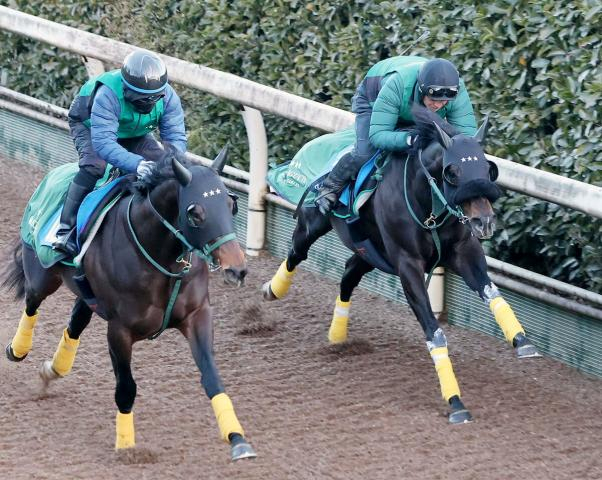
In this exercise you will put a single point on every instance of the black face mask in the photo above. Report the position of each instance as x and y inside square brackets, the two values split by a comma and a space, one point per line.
[142, 103]
[467, 173]
[207, 191]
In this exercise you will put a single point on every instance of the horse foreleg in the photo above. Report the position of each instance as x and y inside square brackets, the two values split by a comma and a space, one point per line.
[64, 356]
[120, 349]
[469, 262]
[412, 280]
[311, 225]
[355, 269]
[198, 330]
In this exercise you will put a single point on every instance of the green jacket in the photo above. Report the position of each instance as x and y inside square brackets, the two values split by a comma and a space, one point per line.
[131, 123]
[390, 89]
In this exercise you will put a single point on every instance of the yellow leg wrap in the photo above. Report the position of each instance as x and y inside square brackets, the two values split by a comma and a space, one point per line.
[124, 431]
[447, 379]
[505, 318]
[338, 327]
[22, 341]
[65, 354]
[281, 281]
[226, 418]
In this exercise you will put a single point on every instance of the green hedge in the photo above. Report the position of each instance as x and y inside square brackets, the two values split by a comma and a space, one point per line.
[534, 67]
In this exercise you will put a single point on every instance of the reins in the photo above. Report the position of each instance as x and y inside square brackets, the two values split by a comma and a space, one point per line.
[188, 250]
[439, 206]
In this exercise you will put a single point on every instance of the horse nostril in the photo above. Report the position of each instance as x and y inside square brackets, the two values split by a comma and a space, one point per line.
[235, 276]
[476, 222]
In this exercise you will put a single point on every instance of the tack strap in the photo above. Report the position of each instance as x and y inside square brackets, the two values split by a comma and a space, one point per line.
[439, 206]
[189, 250]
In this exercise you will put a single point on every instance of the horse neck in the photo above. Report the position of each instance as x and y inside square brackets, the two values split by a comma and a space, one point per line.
[156, 239]
[419, 193]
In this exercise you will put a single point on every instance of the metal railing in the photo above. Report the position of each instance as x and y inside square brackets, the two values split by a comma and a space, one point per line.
[254, 98]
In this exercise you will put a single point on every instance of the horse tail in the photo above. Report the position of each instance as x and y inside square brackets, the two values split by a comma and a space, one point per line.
[13, 275]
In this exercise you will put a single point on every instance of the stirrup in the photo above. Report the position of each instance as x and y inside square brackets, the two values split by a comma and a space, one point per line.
[66, 243]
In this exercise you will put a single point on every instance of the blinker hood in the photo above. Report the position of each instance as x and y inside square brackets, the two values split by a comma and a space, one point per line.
[474, 173]
[206, 190]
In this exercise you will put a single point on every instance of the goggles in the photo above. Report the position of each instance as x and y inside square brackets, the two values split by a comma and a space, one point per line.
[441, 93]
[154, 98]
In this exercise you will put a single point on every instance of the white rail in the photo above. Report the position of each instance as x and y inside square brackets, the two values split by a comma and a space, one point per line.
[536, 183]
[530, 181]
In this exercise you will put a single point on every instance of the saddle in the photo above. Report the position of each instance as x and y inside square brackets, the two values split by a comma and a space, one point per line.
[42, 214]
[300, 180]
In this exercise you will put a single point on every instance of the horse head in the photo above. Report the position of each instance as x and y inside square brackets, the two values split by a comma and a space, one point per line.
[205, 217]
[468, 177]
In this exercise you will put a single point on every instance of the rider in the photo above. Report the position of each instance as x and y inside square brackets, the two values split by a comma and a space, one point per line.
[382, 104]
[111, 120]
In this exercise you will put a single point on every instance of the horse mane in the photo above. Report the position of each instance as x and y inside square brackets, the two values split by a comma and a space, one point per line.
[425, 124]
[161, 170]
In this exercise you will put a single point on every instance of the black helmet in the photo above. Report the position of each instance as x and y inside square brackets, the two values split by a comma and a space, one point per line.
[439, 79]
[144, 72]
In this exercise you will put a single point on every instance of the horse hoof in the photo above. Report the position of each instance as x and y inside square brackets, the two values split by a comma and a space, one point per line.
[11, 355]
[524, 348]
[460, 416]
[47, 373]
[527, 351]
[459, 413]
[242, 450]
[267, 292]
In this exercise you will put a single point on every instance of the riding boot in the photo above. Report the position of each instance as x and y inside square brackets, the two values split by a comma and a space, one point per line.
[65, 235]
[335, 182]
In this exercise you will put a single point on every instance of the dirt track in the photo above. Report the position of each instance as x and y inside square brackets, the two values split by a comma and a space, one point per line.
[371, 410]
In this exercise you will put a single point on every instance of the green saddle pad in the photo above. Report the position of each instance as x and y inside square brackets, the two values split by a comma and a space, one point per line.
[45, 202]
[314, 159]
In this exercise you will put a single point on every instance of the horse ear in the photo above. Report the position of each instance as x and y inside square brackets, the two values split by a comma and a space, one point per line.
[444, 138]
[221, 159]
[482, 131]
[183, 175]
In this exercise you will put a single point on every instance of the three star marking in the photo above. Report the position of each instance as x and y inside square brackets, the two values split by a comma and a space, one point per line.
[211, 193]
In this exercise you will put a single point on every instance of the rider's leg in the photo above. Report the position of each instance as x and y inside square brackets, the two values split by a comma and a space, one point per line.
[82, 184]
[348, 165]
[91, 168]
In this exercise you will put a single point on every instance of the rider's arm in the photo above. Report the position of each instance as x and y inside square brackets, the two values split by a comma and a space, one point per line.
[460, 113]
[104, 121]
[385, 114]
[171, 125]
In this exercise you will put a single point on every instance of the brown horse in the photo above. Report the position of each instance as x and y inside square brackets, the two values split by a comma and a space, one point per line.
[148, 270]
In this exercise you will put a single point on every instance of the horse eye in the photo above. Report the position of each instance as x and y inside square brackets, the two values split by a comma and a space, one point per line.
[451, 175]
[233, 198]
[493, 171]
[194, 216]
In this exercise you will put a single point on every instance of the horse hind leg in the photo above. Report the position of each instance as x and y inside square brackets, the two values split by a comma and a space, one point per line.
[355, 269]
[33, 282]
[22, 342]
[64, 356]
[311, 225]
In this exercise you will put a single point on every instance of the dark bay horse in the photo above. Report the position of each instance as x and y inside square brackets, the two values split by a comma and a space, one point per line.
[148, 268]
[398, 221]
